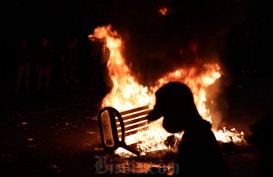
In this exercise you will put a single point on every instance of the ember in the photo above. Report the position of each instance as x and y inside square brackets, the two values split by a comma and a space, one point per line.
[127, 93]
[163, 11]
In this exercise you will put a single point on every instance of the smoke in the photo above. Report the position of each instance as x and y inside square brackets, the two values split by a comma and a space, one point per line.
[153, 42]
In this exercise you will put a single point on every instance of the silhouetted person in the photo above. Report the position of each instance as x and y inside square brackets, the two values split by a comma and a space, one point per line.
[262, 138]
[44, 65]
[98, 70]
[199, 152]
[23, 61]
[69, 58]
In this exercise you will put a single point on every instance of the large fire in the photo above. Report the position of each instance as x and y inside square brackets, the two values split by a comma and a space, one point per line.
[127, 93]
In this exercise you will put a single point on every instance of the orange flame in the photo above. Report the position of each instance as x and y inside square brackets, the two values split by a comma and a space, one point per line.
[163, 11]
[127, 93]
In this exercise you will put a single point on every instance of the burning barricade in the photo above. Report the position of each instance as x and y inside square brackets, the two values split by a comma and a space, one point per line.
[127, 94]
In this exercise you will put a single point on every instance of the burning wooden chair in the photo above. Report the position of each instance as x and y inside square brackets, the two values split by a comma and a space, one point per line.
[115, 126]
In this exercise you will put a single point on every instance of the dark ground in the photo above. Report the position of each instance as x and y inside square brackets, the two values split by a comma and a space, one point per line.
[56, 134]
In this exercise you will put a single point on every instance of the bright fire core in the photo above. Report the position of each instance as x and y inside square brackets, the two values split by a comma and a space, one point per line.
[127, 93]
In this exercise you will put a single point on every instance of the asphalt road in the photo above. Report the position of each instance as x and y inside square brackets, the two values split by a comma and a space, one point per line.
[57, 134]
[41, 135]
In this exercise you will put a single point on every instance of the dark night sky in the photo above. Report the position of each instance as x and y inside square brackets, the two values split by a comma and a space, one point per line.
[139, 16]
[150, 36]
[154, 40]
[190, 17]
[43, 17]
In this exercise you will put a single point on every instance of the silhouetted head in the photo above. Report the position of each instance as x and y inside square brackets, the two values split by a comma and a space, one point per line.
[175, 102]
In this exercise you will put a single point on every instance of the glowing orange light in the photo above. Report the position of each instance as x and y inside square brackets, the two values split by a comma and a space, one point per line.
[163, 11]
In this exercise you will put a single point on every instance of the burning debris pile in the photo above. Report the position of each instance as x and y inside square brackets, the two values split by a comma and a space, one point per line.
[127, 93]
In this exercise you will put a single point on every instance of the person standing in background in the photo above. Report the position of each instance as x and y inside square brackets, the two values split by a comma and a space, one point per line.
[44, 65]
[69, 60]
[23, 61]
